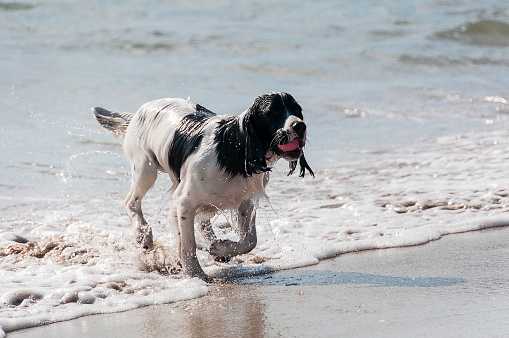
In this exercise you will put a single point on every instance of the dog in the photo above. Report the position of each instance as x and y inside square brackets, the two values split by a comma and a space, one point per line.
[215, 162]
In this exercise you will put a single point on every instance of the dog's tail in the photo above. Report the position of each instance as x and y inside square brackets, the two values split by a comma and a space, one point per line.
[112, 121]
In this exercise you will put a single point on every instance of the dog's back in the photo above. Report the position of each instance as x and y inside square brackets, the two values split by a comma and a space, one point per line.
[117, 122]
[169, 126]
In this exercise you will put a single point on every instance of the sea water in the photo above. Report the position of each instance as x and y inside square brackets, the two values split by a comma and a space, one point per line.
[406, 104]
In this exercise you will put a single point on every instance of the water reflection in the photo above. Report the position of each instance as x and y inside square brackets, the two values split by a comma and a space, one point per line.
[325, 277]
[232, 312]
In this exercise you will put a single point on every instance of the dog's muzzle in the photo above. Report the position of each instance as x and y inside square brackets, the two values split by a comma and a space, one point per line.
[292, 150]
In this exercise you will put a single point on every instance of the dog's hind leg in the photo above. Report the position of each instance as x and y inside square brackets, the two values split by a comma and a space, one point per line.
[144, 174]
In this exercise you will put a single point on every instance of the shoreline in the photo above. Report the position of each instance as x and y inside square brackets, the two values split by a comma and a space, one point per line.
[450, 287]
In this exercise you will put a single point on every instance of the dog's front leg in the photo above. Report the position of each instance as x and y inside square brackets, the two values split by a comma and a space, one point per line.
[247, 226]
[174, 220]
[247, 229]
[185, 218]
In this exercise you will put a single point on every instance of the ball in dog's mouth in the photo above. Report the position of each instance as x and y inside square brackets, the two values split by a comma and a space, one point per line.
[292, 150]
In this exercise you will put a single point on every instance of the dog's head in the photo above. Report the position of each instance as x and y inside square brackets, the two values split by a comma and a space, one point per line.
[277, 125]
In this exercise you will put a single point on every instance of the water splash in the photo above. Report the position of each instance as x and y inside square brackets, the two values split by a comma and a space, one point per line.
[66, 174]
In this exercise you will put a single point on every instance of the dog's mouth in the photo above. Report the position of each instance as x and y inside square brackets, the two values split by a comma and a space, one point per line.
[292, 150]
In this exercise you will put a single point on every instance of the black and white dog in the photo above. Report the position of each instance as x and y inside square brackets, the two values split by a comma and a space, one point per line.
[216, 162]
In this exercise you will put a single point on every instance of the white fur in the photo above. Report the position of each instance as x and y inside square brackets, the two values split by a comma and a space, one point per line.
[203, 186]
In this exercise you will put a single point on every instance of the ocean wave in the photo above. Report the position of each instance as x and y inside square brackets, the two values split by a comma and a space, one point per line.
[15, 6]
[481, 32]
[431, 61]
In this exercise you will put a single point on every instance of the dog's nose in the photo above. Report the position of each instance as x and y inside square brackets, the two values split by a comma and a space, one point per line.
[299, 128]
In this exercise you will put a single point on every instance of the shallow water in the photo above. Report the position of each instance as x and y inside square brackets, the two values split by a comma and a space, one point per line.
[406, 106]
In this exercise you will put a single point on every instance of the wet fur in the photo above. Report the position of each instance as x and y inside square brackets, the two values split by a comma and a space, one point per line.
[216, 162]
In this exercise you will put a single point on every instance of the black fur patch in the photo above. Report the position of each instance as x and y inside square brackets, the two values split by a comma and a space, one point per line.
[239, 149]
[231, 147]
[303, 166]
[242, 145]
[187, 138]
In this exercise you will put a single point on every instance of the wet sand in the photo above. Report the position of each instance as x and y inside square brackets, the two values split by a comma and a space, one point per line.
[456, 286]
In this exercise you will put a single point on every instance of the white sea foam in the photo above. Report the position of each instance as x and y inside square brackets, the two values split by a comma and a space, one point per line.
[78, 257]
[368, 78]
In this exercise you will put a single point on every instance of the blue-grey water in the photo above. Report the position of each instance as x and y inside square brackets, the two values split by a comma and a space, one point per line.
[407, 105]
[367, 73]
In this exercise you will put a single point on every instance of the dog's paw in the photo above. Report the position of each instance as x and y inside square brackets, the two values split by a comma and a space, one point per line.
[144, 238]
[204, 278]
[222, 259]
[222, 248]
[192, 268]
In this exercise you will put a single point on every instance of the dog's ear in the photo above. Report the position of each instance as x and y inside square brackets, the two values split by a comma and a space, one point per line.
[303, 166]
[255, 152]
[292, 165]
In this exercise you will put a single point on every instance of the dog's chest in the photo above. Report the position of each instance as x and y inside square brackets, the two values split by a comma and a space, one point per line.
[228, 193]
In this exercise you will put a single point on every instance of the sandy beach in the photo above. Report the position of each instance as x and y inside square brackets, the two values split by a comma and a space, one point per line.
[456, 286]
